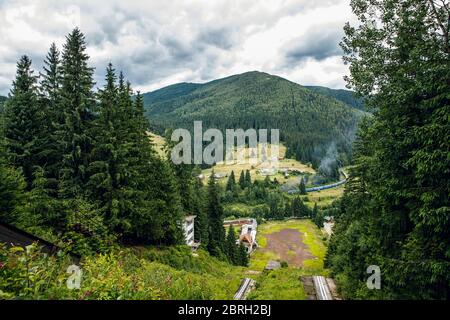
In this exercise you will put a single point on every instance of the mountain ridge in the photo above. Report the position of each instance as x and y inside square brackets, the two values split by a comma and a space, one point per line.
[308, 121]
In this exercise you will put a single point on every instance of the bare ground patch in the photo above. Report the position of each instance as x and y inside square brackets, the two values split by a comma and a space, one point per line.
[288, 245]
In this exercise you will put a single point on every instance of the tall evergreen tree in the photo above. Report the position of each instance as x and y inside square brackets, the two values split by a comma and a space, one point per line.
[201, 221]
[12, 190]
[395, 210]
[231, 183]
[106, 157]
[215, 218]
[50, 100]
[23, 121]
[156, 211]
[231, 249]
[243, 255]
[248, 178]
[302, 187]
[242, 182]
[78, 102]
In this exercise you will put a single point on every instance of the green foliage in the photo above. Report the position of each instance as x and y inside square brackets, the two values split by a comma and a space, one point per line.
[280, 284]
[215, 219]
[346, 96]
[243, 258]
[77, 99]
[231, 249]
[23, 121]
[138, 274]
[231, 183]
[12, 188]
[395, 211]
[91, 174]
[302, 187]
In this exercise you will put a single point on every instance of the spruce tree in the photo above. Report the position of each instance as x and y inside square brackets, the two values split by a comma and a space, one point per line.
[243, 255]
[231, 250]
[231, 183]
[242, 182]
[302, 187]
[106, 159]
[397, 198]
[201, 221]
[248, 178]
[50, 100]
[156, 211]
[78, 103]
[43, 208]
[215, 218]
[12, 190]
[23, 121]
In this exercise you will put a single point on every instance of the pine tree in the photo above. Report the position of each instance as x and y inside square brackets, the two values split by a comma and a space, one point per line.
[243, 255]
[23, 120]
[50, 84]
[397, 198]
[156, 211]
[50, 100]
[248, 178]
[201, 221]
[42, 208]
[78, 103]
[296, 207]
[302, 187]
[242, 182]
[231, 250]
[215, 218]
[12, 190]
[267, 182]
[106, 158]
[231, 183]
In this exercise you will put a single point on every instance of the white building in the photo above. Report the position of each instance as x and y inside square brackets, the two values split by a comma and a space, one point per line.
[247, 235]
[188, 230]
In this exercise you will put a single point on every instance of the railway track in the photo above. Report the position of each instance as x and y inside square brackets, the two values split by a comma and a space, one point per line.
[322, 290]
[244, 289]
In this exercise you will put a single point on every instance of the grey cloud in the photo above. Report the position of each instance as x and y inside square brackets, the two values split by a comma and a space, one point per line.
[152, 41]
[318, 43]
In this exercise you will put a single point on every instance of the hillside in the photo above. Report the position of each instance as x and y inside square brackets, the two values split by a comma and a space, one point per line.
[309, 123]
[346, 96]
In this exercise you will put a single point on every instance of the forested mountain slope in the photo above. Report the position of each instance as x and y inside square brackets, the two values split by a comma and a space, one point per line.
[346, 96]
[311, 124]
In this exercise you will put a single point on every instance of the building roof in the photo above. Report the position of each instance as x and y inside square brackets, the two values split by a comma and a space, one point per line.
[246, 237]
[17, 237]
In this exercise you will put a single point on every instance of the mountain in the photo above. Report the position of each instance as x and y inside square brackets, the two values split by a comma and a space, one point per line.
[314, 126]
[346, 96]
[170, 92]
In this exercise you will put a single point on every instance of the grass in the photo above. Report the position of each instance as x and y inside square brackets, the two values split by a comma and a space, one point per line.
[221, 278]
[158, 142]
[312, 237]
[281, 284]
[284, 283]
[325, 197]
[225, 169]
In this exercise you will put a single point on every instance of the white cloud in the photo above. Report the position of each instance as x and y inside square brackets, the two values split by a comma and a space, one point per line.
[157, 43]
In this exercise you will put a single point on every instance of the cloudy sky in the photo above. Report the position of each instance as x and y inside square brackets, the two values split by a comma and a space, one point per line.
[157, 43]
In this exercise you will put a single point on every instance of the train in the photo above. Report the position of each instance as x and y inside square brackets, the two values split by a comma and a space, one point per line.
[328, 186]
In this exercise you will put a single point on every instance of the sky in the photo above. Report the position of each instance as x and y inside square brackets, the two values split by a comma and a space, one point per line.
[158, 43]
